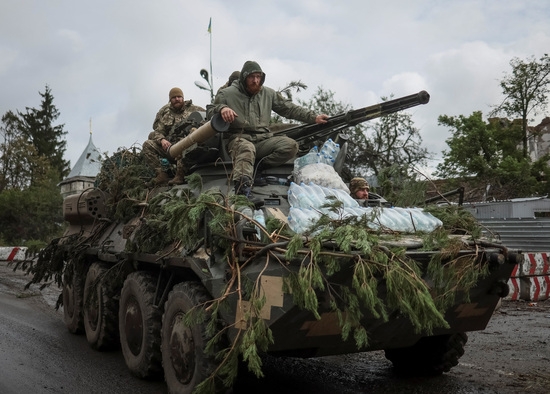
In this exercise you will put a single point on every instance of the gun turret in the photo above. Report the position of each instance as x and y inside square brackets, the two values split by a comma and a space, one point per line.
[306, 134]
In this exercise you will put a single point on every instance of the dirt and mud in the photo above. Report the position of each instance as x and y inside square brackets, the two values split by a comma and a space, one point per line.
[512, 355]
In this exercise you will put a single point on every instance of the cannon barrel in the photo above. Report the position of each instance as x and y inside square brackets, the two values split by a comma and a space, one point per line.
[309, 132]
[202, 134]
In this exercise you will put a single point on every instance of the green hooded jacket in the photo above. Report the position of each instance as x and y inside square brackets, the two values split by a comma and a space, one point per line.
[254, 111]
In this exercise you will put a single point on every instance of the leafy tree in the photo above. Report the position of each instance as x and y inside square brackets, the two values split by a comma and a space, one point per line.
[487, 155]
[525, 91]
[391, 141]
[37, 125]
[474, 150]
[34, 213]
[323, 102]
[389, 148]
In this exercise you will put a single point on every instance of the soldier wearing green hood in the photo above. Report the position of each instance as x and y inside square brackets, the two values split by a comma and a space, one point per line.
[247, 106]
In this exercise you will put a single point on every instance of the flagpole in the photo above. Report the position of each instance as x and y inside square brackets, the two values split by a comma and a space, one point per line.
[211, 75]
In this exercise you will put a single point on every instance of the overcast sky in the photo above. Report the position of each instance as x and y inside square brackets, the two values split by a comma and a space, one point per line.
[114, 61]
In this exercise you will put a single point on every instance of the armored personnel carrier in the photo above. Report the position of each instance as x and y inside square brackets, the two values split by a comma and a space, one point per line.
[191, 280]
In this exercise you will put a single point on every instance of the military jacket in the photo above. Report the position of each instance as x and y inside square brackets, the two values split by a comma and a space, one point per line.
[254, 112]
[167, 117]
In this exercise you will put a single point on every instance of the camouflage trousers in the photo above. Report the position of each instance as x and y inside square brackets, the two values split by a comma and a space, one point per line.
[246, 149]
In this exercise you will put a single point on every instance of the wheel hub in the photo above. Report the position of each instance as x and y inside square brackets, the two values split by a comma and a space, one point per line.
[133, 326]
[182, 349]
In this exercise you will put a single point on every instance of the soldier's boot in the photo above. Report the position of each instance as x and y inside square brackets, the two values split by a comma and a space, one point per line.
[161, 178]
[259, 180]
[179, 179]
[243, 186]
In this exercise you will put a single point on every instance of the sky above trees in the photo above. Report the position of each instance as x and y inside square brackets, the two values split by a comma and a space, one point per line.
[114, 62]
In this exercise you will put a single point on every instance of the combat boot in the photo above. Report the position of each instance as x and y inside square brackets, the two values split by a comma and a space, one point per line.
[179, 179]
[161, 179]
[243, 186]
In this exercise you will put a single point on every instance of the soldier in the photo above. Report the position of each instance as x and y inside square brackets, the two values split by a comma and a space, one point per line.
[359, 188]
[156, 147]
[247, 106]
[232, 78]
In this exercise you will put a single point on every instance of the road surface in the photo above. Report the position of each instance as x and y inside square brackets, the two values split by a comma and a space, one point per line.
[38, 355]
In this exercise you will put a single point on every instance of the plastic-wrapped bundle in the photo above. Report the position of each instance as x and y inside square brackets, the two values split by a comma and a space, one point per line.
[301, 219]
[309, 199]
[401, 218]
[408, 220]
[347, 200]
[311, 157]
[314, 196]
[321, 174]
[329, 152]
[424, 221]
[298, 197]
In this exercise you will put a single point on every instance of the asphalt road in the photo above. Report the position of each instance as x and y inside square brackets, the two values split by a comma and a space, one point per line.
[38, 355]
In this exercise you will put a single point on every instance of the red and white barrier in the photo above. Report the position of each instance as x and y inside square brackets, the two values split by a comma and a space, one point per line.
[515, 290]
[535, 264]
[530, 280]
[535, 288]
[12, 253]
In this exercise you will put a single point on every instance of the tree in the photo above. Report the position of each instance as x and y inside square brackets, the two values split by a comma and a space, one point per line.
[20, 164]
[323, 102]
[487, 155]
[37, 125]
[34, 213]
[525, 91]
[31, 166]
[389, 148]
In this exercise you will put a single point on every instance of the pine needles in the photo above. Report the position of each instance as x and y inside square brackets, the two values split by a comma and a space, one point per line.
[341, 266]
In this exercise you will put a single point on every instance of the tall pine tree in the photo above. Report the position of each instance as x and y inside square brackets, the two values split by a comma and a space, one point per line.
[37, 125]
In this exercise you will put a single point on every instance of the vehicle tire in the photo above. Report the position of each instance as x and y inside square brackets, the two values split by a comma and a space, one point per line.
[73, 288]
[184, 357]
[100, 309]
[139, 325]
[430, 356]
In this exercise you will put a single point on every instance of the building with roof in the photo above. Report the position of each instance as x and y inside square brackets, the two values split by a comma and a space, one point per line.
[84, 172]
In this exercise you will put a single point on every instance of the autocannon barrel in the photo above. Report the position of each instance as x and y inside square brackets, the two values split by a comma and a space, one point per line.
[203, 133]
[354, 117]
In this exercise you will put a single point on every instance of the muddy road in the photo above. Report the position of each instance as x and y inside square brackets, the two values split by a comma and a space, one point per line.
[38, 355]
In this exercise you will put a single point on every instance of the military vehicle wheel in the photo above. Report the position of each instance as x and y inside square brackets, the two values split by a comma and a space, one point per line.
[430, 356]
[139, 325]
[100, 309]
[73, 288]
[185, 361]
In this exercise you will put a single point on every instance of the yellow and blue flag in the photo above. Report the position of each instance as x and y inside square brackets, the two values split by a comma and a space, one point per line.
[210, 26]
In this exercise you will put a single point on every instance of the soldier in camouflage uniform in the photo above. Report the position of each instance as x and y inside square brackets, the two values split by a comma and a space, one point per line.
[156, 147]
[247, 106]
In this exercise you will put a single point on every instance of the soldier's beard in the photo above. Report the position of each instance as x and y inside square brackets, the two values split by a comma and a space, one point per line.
[253, 88]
